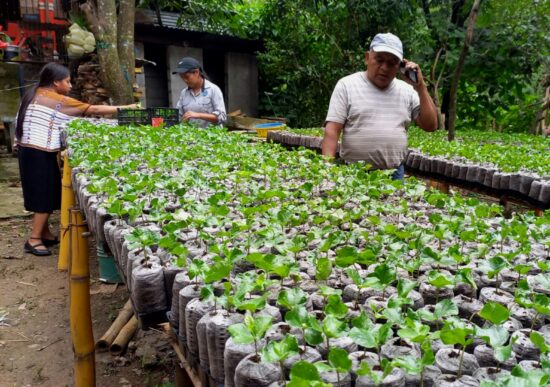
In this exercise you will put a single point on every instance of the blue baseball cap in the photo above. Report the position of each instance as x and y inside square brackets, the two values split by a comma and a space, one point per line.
[187, 64]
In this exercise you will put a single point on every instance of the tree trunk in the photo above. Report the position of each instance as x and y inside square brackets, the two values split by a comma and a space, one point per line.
[102, 20]
[540, 126]
[435, 87]
[451, 118]
[126, 17]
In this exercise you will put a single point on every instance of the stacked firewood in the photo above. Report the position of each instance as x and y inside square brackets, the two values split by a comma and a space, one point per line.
[89, 85]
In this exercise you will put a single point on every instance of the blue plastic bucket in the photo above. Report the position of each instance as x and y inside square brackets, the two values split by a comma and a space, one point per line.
[107, 267]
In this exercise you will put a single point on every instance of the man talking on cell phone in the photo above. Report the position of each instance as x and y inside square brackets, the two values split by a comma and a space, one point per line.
[372, 109]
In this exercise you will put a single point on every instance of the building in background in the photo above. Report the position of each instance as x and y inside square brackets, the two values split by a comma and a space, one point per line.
[229, 62]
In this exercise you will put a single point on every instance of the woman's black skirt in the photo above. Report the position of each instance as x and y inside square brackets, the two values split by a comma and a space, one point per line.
[40, 180]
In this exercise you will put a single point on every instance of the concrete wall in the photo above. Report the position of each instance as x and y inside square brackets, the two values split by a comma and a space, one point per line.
[140, 77]
[174, 55]
[242, 83]
[10, 94]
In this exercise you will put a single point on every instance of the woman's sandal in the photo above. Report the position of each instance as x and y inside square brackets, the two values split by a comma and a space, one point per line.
[50, 242]
[33, 249]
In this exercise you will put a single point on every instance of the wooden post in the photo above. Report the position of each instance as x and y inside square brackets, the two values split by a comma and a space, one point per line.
[80, 314]
[67, 201]
[441, 186]
[107, 339]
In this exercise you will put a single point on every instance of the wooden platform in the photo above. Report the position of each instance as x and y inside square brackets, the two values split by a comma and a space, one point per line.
[186, 375]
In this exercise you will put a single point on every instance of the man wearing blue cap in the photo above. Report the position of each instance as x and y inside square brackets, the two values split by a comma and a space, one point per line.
[201, 102]
[373, 110]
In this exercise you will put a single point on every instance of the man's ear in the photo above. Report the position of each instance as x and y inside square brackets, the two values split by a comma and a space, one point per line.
[367, 57]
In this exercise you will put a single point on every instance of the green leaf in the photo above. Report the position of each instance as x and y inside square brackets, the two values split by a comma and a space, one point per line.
[409, 364]
[503, 353]
[292, 297]
[277, 351]
[304, 370]
[261, 325]
[363, 337]
[414, 331]
[339, 359]
[313, 336]
[251, 304]
[362, 321]
[494, 312]
[428, 357]
[333, 327]
[445, 308]
[539, 342]
[336, 307]
[346, 256]
[495, 336]
[298, 317]
[384, 273]
[240, 334]
[217, 271]
[323, 269]
[455, 334]
[404, 287]
[438, 279]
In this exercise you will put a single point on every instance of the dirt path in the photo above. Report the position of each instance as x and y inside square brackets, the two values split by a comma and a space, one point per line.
[35, 342]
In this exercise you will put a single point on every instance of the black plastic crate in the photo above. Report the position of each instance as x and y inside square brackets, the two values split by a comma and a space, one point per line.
[151, 116]
[133, 117]
[166, 116]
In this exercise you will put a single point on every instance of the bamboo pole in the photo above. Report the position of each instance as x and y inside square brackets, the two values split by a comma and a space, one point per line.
[67, 201]
[107, 339]
[80, 314]
[126, 333]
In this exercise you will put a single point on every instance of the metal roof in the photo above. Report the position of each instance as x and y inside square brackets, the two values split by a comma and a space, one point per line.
[170, 20]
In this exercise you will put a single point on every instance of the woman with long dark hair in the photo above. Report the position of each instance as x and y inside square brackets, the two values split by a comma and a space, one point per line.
[45, 110]
[201, 102]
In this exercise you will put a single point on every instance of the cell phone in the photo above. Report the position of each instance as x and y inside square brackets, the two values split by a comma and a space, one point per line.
[411, 74]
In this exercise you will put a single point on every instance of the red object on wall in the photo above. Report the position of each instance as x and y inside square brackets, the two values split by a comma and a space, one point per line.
[42, 10]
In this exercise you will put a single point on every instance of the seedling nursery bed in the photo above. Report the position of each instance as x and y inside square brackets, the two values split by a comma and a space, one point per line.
[528, 186]
[274, 267]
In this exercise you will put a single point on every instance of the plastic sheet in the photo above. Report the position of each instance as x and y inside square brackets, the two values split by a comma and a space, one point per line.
[186, 294]
[252, 373]
[148, 289]
[307, 353]
[430, 375]
[447, 380]
[333, 378]
[216, 337]
[485, 356]
[201, 342]
[232, 355]
[397, 347]
[344, 342]
[194, 311]
[448, 361]
[181, 280]
[396, 378]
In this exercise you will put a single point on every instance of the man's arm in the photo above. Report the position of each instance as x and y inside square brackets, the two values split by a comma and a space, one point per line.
[427, 118]
[330, 140]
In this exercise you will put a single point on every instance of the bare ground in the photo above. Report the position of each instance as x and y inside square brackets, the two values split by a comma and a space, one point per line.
[35, 341]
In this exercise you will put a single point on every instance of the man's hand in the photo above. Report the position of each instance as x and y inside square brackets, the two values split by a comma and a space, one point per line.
[412, 67]
[427, 118]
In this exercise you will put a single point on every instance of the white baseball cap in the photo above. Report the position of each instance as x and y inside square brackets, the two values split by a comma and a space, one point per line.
[387, 42]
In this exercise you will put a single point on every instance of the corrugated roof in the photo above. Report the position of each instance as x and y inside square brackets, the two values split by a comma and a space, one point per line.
[170, 20]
